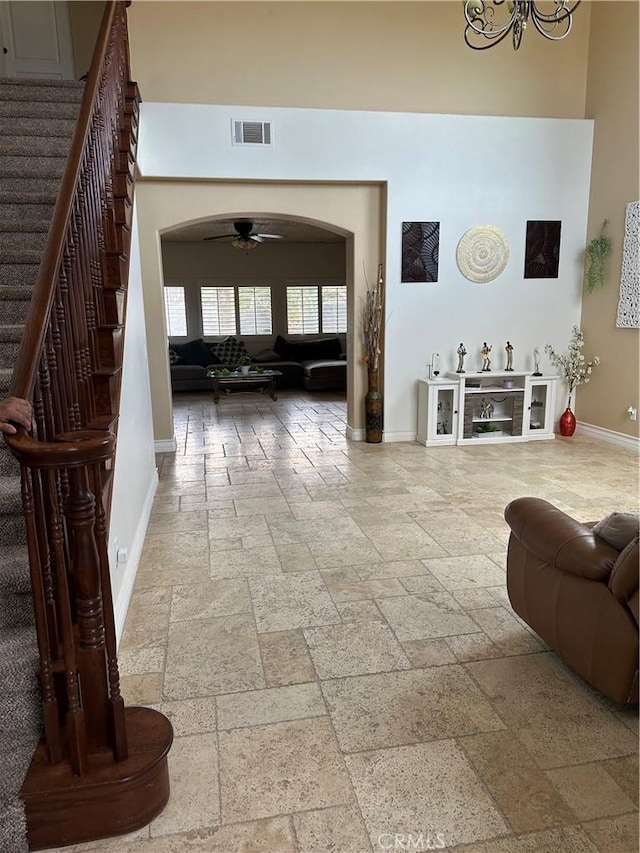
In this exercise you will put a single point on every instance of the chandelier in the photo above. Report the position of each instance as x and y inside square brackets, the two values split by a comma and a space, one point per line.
[490, 21]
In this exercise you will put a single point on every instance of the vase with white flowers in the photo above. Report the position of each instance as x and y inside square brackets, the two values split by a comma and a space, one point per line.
[372, 316]
[575, 370]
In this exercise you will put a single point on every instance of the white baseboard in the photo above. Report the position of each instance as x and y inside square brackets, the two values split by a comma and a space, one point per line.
[166, 445]
[398, 436]
[355, 434]
[613, 437]
[121, 605]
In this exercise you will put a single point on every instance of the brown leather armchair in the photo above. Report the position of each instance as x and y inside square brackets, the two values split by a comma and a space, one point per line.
[579, 594]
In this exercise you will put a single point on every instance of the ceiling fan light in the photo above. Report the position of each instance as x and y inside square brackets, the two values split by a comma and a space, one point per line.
[244, 243]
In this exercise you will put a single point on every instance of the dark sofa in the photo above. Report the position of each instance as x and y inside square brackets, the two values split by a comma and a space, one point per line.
[316, 364]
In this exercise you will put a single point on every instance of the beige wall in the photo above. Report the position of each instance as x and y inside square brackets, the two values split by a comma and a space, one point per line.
[353, 210]
[85, 18]
[366, 56]
[612, 100]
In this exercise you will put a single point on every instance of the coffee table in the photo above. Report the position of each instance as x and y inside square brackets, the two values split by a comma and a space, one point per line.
[244, 383]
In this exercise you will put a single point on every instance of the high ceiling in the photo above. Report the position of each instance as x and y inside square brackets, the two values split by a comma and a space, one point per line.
[292, 232]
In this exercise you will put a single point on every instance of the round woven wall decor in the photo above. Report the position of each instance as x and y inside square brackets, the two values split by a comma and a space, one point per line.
[483, 252]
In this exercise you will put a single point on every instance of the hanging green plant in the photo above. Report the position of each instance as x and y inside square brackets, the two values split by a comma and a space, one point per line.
[597, 253]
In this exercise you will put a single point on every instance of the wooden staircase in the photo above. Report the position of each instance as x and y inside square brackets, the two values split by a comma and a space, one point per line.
[99, 769]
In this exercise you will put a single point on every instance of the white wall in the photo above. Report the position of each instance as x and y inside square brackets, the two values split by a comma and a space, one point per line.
[458, 170]
[135, 475]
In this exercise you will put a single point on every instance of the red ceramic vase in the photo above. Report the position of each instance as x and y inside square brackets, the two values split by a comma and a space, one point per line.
[567, 422]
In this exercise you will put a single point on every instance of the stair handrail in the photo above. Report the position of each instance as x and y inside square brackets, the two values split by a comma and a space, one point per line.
[24, 373]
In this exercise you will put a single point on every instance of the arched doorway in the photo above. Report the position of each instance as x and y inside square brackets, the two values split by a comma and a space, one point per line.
[256, 278]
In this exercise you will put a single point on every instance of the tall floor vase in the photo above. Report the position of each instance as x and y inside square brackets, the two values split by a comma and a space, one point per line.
[373, 410]
[567, 422]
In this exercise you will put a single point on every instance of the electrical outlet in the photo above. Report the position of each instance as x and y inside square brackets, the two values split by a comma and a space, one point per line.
[633, 413]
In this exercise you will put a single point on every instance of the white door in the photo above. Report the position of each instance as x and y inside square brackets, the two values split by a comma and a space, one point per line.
[35, 39]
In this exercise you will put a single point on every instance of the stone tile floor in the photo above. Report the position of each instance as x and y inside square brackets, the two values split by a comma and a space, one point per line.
[327, 627]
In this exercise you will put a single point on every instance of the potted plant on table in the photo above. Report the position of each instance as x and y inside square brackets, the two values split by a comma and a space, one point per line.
[574, 370]
[244, 364]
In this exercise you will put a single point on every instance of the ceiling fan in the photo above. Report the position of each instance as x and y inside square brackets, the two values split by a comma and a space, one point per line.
[245, 237]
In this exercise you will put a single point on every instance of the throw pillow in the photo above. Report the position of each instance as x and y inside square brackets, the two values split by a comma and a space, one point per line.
[266, 355]
[229, 351]
[618, 529]
[281, 347]
[174, 356]
[195, 352]
[214, 357]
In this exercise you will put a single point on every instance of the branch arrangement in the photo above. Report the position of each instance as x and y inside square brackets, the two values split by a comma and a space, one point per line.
[372, 315]
[573, 367]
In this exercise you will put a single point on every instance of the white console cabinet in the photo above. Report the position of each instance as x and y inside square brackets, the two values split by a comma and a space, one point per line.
[486, 407]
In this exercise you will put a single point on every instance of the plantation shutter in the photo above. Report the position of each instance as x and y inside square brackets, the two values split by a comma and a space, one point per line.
[302, 310]
[255, 310]
[334, 308]
[175, 312]
[218, 310]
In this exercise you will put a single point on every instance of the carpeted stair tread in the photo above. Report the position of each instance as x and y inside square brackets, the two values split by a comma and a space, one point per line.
[13, 827]
[5, 379]
[16, 610]
[26, 256]
[31, 126]
[16, 762]
[26, 166]
[35, 146]
[15, 293]
[19, 661]
[27, 183]
[34, 197]
[29, 719]
[18, 275]
[19, 241]
[9, 465]
[18, 226]
[10, 333]
[14, 303]
[24, 89]
[39, 109]
[10, 499]
[10, 337]
[14, 572]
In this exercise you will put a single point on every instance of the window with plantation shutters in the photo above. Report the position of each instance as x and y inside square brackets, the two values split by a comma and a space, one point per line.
[175, 312]
[303, 315]
[254, 309]
[334, 308]
[218, 306]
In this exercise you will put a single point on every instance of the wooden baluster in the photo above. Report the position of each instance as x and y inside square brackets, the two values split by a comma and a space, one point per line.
[116, 702]
[85, 565]
[70, 384]
[75, 717]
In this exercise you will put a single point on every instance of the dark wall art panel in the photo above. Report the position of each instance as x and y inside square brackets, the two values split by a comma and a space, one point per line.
[420, 245]
[542, 249]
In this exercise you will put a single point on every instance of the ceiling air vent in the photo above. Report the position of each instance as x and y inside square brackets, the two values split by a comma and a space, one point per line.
[251, 132]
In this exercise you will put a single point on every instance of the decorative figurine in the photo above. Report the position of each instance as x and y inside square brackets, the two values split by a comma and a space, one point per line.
[536, 362]
[461, 354]
[509, 351]
[486, 409]
[486, 361]
[435, 364]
